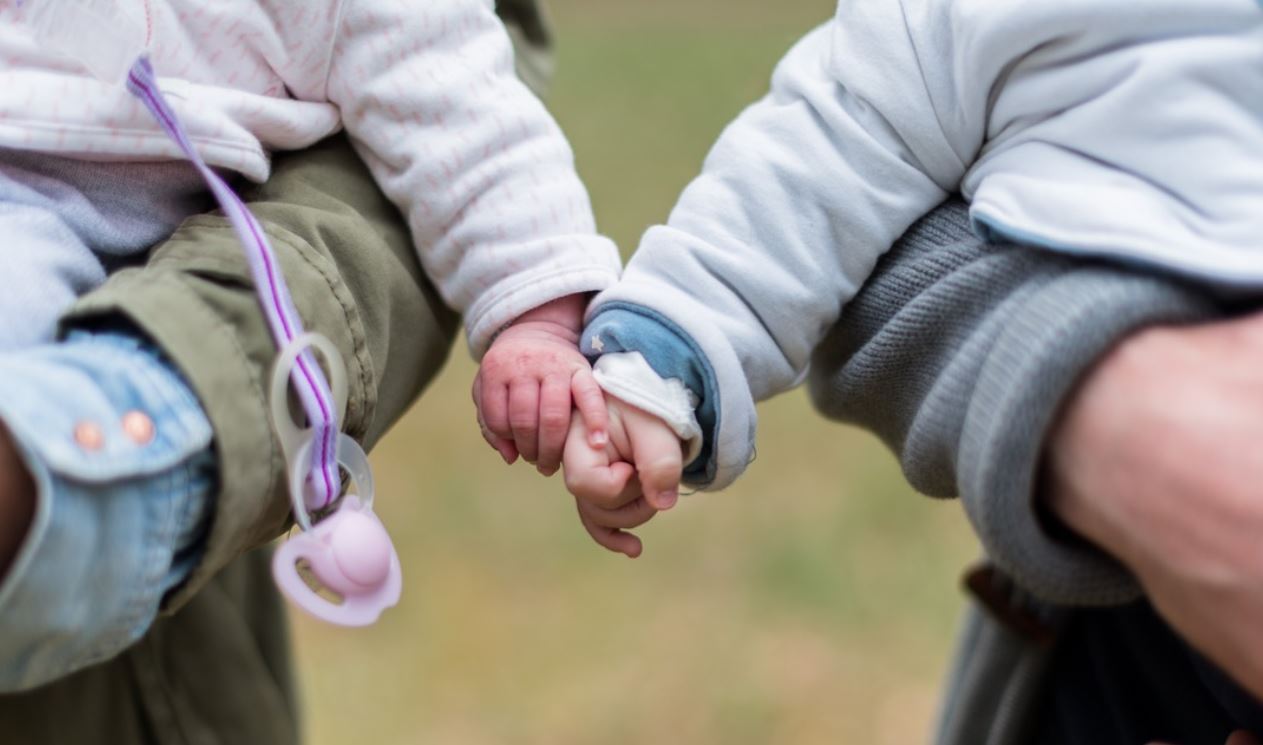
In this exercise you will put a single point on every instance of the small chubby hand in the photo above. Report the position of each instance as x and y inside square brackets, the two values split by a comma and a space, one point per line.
[623, 484]
[528, 380]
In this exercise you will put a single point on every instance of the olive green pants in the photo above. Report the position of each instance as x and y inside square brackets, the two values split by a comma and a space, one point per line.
[215, 667]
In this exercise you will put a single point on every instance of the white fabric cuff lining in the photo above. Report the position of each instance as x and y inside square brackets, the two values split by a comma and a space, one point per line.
[627, 376]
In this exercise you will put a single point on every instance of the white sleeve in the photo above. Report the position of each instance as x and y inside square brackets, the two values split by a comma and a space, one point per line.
[482, 172]
[628, 376]
[795, 204]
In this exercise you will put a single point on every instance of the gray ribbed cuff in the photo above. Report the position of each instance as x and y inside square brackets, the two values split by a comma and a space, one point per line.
[1048, 343]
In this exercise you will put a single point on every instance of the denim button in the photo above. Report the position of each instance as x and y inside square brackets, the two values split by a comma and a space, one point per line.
[138, 427]
[89, 435]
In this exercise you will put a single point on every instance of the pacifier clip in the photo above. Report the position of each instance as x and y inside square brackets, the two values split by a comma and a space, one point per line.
[348, 552]
[351, 566]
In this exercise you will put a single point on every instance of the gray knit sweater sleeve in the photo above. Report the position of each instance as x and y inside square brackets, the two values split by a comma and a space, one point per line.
[958, 354]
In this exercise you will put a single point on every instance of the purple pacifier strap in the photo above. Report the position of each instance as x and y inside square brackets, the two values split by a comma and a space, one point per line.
[307, 377]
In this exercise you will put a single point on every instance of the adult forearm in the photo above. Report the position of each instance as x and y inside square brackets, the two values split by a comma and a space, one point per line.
[960, 354]
[1155, 460]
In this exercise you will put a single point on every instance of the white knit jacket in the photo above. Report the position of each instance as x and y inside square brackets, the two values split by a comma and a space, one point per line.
[425, 89]
[1129, 129]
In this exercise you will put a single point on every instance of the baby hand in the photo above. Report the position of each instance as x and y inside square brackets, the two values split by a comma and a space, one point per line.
[624, 484]
[527, 380]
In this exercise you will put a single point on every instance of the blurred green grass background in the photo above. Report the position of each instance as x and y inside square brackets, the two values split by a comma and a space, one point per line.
[815, 602]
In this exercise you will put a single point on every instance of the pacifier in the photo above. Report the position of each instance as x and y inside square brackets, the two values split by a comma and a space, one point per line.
[342, 569]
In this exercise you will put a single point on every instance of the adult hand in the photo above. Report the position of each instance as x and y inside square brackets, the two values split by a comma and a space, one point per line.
[1158, 459]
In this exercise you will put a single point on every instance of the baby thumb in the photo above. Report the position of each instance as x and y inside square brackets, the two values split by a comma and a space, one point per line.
[659, 463]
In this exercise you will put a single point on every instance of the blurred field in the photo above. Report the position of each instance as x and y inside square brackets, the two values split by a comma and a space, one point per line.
[813, 603]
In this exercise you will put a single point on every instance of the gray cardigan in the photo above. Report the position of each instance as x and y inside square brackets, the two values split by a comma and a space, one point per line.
[958, 353]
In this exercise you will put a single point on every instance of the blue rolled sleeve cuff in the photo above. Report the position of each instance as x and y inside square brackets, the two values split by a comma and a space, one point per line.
[120, 453]
[672, 353]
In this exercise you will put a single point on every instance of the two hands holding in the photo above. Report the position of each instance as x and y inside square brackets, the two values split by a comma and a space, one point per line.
[1157, 459]
[537, 399]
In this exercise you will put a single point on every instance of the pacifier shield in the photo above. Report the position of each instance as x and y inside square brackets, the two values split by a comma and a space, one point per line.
[349, 553]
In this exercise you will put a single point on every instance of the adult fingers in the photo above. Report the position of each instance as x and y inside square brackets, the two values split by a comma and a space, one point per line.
[1241, 737]
[590, 402]
[524, 417]
[554, 420]
[613, 539]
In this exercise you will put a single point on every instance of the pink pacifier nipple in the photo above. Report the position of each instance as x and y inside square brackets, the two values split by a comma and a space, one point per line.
[348, 554]
[361, 550]
[343, 569]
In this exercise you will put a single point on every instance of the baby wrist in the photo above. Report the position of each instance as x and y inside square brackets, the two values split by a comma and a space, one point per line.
[566, 312]
[629, 377]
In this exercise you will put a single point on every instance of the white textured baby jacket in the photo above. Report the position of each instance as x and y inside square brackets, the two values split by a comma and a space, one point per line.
[425, 88]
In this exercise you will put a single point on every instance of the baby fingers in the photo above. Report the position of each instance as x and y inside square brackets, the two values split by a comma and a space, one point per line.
[492, 399]
[503, 446]
[607, 486]
[614, 539]
[590, 402]
[524, 417]
[554, 421]
[591, 476]
[631, 515]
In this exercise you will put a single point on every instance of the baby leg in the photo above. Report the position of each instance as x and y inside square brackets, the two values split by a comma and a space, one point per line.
[45, 266]
[64, 223]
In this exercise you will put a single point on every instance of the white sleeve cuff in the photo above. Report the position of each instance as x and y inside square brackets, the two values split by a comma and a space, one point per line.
[627, 376]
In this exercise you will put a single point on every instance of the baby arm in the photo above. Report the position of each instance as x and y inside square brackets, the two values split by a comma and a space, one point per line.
[795, 203]
[109, 475]
[501, 221]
